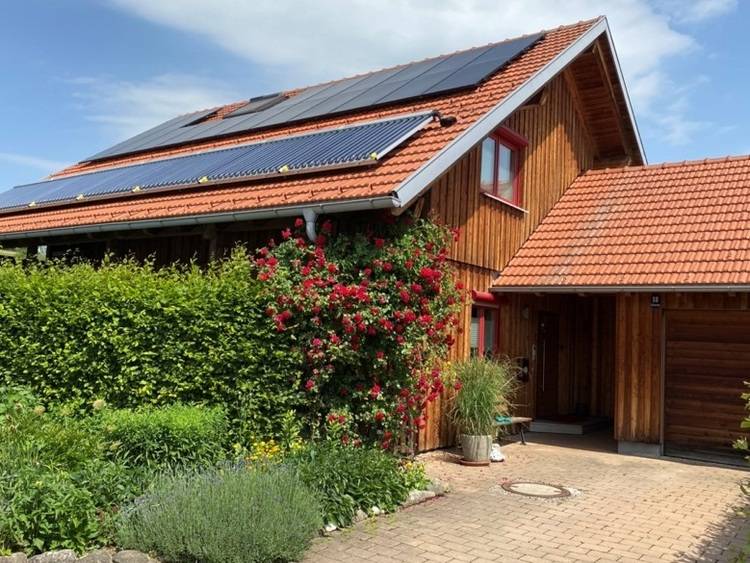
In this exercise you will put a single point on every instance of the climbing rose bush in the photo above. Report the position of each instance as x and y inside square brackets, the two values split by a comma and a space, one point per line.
[373, 314]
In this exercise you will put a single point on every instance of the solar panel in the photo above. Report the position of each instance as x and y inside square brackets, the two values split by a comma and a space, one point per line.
[464, 69]
[355, 145]
[258, 103]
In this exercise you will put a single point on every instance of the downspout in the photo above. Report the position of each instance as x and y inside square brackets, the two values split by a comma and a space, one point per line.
[311, 217]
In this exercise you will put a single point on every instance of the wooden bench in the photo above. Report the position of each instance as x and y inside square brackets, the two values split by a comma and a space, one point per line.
[522, 421]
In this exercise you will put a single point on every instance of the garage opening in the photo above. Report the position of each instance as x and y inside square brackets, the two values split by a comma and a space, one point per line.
[707, 361]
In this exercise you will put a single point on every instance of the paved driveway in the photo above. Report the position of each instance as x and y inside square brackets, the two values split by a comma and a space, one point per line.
[626, 509]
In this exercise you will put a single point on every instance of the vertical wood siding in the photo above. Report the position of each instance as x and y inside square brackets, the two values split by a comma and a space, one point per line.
[558, 151]
[638, 359]
[491, 231]
[585, 355]
[639, 356]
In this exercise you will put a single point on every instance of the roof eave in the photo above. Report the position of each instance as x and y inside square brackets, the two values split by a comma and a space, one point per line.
[646, 288]
[420, 180]
[626, 94]
[342, 206]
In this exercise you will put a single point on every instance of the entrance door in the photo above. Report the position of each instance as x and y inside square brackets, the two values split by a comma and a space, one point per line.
[546, 365]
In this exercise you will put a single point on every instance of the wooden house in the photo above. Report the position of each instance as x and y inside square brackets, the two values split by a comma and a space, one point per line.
[621, 289]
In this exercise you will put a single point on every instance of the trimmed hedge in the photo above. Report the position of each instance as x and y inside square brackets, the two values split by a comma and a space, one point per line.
[132, 334]
[172, 436]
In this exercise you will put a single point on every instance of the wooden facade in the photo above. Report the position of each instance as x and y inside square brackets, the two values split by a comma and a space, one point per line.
[681, 367]
[559, 149]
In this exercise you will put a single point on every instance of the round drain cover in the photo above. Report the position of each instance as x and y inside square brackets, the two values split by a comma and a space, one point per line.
[531, 489]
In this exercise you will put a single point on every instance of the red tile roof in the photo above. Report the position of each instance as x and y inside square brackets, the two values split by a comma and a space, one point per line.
[380, 180]
[678, 224]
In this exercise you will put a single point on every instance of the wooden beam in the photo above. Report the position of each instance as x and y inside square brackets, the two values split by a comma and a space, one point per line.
[601, 63]
[578, 103]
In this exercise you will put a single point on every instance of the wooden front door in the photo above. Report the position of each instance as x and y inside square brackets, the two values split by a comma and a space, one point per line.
[707, 361]
[547, 365]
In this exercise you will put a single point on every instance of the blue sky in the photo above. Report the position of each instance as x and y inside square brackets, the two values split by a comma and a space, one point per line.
[80, 75]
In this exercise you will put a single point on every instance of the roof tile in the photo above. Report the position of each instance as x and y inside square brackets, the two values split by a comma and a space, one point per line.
[668, 224]
[379, 180]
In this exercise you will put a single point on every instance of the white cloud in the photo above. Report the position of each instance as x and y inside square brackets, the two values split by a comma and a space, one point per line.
[304, 42]
[696, 11]
[126, 108]
[46, 165]
[334, 38]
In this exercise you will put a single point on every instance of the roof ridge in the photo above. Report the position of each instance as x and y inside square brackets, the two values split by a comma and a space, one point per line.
[664, 165]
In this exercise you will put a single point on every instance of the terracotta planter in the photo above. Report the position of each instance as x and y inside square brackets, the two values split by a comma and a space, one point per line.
[476, 448]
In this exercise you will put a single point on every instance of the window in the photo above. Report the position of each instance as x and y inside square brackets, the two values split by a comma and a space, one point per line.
[500, 168]
[483, 332]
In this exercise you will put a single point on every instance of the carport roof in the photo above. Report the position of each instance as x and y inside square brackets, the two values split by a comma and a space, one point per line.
[676, 225]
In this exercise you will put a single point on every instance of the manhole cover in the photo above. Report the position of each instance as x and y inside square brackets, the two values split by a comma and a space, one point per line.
[531, 489]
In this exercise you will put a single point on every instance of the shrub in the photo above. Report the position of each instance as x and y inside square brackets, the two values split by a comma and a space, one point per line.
[56, 488]
[132, 335]
[373, 314]
[167, 436]
[43, 509]
[234, 515]
[358, 323]
[349, 478]
[742, 445]
[484, 390]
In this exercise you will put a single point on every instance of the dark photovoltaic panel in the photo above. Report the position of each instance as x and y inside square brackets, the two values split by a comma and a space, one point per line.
[350, 146]
[458, 71]
[258, 104]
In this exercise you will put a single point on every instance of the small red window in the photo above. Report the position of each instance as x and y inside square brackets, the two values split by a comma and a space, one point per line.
[483, 331]
[501, 166]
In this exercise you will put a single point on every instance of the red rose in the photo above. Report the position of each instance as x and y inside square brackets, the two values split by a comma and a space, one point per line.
[405, 297]
[299, 222]
[379, 416]
[326, 227]
[342, 419]
[419, 422]
[309, 385]
[375, 391]
[379, 242]
[387, 266]
[379, 354]
[286, 234]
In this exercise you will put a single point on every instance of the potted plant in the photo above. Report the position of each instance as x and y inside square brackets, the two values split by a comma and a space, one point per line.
[484, 388]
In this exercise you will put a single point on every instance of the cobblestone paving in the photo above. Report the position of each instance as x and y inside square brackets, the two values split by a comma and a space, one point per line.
[627, 509]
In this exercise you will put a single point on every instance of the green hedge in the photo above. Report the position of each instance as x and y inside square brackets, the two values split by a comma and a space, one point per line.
[134, 335]
[174, 435]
